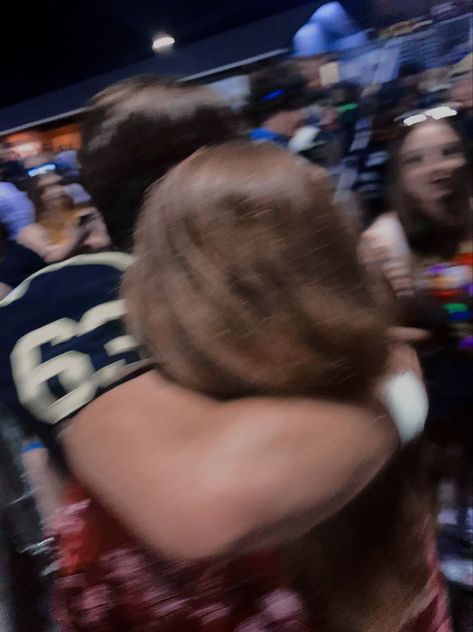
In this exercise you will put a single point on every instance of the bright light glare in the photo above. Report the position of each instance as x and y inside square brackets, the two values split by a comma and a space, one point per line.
[414, 119]
[163, 41]
[441, 112]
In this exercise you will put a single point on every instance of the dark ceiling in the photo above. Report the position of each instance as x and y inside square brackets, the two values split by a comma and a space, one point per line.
[53, 43]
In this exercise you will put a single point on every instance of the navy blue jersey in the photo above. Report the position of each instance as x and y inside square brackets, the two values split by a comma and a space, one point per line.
[19, 263]
[62, 340]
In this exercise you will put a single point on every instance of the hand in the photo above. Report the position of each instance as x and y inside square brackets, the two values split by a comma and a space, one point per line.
[97, 238]
[80, 234]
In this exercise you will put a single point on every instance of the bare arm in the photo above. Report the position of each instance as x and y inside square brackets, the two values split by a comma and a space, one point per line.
[35, 238]
[193, 478]
[381, 256]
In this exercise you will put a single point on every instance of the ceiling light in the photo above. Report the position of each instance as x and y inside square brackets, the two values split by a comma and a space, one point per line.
[162, 42]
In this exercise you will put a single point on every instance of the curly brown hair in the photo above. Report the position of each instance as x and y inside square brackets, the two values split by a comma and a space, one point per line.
[137, 129]
[247, 282]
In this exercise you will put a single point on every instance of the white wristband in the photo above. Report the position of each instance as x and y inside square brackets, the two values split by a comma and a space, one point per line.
[405, 398]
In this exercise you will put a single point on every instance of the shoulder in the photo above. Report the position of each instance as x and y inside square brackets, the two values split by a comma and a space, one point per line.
[74, 275]
[127, 407]
[7, 189]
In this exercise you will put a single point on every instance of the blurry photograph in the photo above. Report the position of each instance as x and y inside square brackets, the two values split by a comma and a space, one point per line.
[236, 316]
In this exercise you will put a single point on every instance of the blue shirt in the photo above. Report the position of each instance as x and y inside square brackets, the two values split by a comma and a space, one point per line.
[263, 134]
[16, 209]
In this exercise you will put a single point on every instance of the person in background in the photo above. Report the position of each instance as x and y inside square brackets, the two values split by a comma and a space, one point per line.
[424, 249]
[62, 229]
[268, 468]
[16, 212]
[67, 165]
[431, 214]
[276, 102]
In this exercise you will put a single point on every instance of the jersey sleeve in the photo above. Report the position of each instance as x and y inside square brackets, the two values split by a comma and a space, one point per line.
[19, 263]
[63, 340]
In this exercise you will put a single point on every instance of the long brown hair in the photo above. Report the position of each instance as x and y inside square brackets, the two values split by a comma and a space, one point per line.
[246, 280]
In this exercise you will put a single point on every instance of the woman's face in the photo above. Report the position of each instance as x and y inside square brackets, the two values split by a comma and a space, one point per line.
[433, 170]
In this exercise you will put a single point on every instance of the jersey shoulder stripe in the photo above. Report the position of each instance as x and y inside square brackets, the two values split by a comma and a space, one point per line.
[118, 260]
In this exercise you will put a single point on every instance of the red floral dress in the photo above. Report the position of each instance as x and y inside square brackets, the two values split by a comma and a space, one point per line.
[106, 582]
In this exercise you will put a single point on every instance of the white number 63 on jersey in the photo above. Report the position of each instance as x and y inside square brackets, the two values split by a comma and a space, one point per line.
[74, 369]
